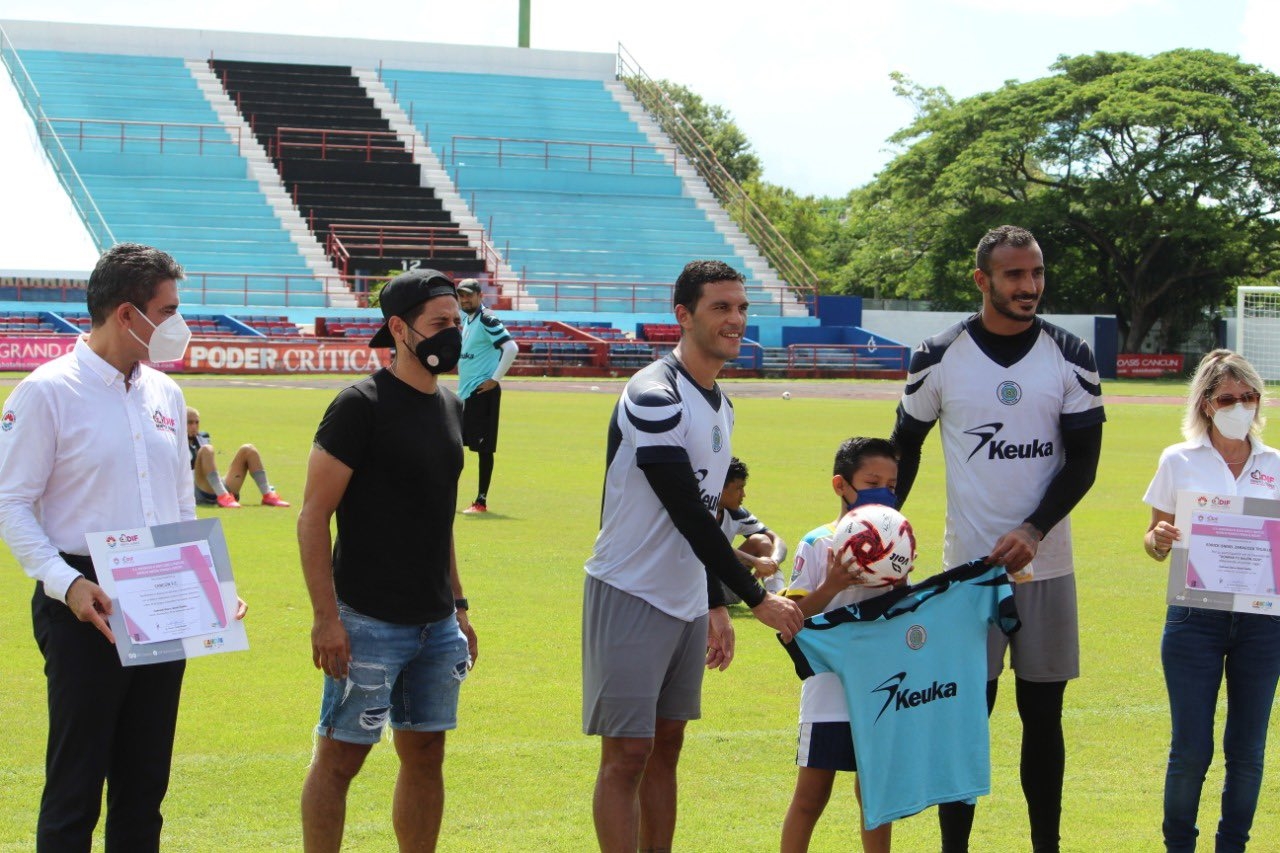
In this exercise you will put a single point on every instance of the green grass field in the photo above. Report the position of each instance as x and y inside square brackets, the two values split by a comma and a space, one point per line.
[519, 771]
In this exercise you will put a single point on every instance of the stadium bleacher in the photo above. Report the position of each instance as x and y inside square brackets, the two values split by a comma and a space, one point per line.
[162, 170]
[591, 214]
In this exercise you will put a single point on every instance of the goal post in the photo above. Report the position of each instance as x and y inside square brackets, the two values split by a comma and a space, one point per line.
[1258, 329]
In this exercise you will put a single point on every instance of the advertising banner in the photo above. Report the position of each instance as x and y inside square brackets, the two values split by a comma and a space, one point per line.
[27, 352]
[1148, 365]
[258, 356]
[250, 355]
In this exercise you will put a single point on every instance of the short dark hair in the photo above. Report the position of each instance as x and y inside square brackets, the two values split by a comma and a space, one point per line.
[1005, 235]
[851, 454]
[127, 272]
[737, 471]
[695, 275]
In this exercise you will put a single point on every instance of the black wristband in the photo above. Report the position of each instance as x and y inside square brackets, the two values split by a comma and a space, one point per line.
[461, 604]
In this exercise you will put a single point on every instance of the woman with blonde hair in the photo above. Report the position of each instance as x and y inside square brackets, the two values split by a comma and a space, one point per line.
[1222, 454]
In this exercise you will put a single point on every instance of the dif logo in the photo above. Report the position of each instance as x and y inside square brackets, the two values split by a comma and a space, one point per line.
[123, 539]
[1215, 501]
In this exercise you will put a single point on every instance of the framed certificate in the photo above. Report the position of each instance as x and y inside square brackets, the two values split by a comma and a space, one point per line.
[1229, 555]
[172, 592]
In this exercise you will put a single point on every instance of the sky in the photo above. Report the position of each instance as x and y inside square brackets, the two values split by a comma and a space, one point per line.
[808, 81]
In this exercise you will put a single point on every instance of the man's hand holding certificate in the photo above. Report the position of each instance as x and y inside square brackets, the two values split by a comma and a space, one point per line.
[172, 591]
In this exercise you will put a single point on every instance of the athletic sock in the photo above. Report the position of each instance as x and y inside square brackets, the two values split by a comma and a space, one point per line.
[1043, 759]
[215, 482]
[486, 476]
[260, 477]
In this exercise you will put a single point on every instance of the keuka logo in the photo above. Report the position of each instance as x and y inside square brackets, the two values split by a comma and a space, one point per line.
[7, 422]
[1001, 449]
[905, 698]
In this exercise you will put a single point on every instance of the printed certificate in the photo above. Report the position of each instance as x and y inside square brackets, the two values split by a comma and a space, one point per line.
[1229, 554]
[172, 591]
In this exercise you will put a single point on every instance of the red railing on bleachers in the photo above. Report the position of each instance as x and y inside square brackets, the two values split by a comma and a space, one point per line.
[633, 297]
[323, 142]
[509, 149]
[397, 241]
[160, 133]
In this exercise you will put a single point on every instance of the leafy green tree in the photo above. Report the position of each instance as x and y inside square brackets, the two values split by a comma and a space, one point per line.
[715, 125]
[1153, 184]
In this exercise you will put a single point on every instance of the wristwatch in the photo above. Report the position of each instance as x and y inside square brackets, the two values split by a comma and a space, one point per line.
[461, 604]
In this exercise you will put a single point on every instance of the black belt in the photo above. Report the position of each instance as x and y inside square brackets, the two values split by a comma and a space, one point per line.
[83, 565]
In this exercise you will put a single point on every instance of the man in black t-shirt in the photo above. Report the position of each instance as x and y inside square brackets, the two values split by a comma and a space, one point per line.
[390, 629]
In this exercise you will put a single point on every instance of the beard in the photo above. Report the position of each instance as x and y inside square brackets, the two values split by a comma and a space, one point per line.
[1006, 306]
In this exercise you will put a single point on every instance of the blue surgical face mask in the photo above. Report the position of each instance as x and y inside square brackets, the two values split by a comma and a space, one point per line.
[881, 495]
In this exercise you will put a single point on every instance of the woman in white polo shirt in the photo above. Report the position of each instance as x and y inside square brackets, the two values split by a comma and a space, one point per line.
[1222, 454]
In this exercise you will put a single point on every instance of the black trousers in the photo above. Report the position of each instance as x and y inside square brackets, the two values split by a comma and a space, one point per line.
[107, 723]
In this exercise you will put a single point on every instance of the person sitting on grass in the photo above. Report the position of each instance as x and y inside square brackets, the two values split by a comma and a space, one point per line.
[226, 492]
[763, 550]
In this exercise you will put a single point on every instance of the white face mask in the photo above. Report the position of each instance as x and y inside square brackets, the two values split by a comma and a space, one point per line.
[1234, 422]
[168, 341]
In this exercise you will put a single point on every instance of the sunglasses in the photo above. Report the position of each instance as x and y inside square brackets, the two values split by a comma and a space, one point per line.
[1225, 401]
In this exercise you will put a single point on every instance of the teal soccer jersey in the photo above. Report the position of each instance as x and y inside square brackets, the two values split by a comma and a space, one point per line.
[482, 338]
[913, 663]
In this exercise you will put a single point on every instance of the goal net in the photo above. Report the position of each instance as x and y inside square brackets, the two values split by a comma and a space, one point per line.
[1258, 329]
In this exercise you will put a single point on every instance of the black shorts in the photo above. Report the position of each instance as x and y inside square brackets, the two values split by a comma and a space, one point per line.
[480, 420]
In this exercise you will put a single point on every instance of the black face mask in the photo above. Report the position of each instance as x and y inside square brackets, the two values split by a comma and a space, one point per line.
[441, 351]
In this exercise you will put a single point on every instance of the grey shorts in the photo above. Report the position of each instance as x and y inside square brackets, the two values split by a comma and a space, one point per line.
[638, 664]
[1047, 646]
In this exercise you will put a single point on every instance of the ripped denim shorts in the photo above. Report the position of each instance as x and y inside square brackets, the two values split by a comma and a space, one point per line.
[407, 675]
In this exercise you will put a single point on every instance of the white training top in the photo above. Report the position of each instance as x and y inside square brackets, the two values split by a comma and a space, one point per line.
[662, 416]
[1002, 433]
[1196, 466]
[822, 696]
[80, 454]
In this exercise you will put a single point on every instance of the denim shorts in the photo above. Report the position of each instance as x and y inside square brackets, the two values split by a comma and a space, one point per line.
[408, 675]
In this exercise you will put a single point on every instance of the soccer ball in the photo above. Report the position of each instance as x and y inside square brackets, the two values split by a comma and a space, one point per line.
[786, 395]
[878, 542]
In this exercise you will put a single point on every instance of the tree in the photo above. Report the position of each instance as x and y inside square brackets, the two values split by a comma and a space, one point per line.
[713, 123]
[1153, 183]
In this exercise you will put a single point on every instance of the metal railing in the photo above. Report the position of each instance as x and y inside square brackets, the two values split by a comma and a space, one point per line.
[514, 150]
[181, 134]
[632, 297]
[745, 212]
[323, 142]
[362, 240]
[837, 357]
[65, 170]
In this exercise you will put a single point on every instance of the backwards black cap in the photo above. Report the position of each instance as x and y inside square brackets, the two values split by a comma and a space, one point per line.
[404, 292]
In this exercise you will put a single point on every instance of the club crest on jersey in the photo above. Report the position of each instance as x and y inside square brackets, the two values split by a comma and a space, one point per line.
[1009, 392]
[902, 698]
[717, 440]
[8, 421]
[916, 637]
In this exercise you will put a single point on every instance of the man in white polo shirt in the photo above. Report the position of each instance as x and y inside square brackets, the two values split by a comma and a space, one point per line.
[91, 441]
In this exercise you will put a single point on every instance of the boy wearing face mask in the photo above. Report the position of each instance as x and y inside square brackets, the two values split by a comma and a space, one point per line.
[390, 628]
[865, 472]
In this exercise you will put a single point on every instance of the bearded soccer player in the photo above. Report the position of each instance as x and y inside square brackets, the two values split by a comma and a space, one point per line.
[653, 613]
[1021, 411]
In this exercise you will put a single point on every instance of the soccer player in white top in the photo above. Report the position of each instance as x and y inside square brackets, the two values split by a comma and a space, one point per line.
[1021, 411]
[652, 613]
